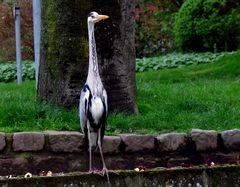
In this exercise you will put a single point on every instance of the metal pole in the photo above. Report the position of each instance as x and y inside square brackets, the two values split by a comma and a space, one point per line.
[37, 35]
[18, 45]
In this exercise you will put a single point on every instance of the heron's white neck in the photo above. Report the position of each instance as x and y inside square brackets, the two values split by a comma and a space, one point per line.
[93, 72]
[93, 62]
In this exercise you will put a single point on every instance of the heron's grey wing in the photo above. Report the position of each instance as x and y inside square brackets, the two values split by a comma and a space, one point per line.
[83, 107]
[105, 100]
[104, 119]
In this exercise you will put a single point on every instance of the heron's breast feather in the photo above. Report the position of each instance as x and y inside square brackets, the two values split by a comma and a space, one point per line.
[97, 108]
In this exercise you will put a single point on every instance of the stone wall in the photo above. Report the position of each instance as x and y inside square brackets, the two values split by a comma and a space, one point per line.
[65, 151]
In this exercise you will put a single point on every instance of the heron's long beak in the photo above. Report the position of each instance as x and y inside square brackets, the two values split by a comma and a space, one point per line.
[102, 17]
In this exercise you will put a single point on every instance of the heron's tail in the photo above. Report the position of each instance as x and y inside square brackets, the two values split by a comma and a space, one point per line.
[93, 140]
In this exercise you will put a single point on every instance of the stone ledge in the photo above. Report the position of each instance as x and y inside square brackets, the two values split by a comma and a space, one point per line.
[65, 141]
[60, 141]
[28, 141]
[196, 176]
[63, 151]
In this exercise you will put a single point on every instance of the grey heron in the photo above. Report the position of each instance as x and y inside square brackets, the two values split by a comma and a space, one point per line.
[93, 105]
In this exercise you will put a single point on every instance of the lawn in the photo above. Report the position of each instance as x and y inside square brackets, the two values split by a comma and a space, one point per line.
[202, 96]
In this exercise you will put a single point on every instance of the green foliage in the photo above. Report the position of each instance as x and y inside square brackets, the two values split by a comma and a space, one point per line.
[154, 27]
[8, 71]
[147, 40]
[175, 60]
[205, 96]
[206, 25]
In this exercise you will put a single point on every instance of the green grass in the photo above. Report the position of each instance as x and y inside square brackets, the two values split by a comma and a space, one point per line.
[19, 111]
[202, 96]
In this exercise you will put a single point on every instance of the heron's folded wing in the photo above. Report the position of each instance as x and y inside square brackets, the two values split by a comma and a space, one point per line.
[83, 107]
[105, 100]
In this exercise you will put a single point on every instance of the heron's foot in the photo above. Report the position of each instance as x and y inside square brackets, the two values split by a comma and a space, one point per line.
[105, 172]
[94, 171]
[102, 173]
[90, 171]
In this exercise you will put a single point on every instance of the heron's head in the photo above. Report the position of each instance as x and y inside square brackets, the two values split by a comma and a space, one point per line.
[94, 17]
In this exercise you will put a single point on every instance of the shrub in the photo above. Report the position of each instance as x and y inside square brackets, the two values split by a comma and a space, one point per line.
[207, 25]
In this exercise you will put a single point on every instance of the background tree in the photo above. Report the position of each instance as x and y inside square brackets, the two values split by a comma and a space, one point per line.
[64, 51]
[206, 25]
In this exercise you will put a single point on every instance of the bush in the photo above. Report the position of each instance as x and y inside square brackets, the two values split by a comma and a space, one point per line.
[207, 25]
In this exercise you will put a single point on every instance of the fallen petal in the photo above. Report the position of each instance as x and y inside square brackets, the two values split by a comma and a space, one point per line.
[137, 169]
[28, 175]
[49, 173]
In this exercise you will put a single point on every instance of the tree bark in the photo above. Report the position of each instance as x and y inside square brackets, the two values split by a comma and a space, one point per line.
[64, 51]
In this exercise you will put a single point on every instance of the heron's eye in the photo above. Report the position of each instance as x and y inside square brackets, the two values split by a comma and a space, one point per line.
[92, 17]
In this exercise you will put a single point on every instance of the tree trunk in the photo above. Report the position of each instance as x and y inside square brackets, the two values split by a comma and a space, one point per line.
[116, 53]
[64, 51]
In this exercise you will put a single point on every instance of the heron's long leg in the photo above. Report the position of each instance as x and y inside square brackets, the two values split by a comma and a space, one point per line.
[104, 170]
[89, 148]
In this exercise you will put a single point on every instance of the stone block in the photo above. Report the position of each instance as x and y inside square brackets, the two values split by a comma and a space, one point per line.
[172, 142]
[28, 141]
[138, 143]
[2, 141]
[205, 140]
[111, 144]
[231, 139]
[60, 141]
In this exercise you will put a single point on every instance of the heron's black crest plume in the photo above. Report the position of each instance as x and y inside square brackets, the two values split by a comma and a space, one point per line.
[90, 14]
